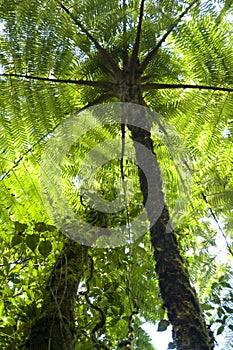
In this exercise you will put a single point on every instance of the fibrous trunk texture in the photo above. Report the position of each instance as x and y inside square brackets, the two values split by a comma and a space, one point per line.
[55, 329]
[179, 297]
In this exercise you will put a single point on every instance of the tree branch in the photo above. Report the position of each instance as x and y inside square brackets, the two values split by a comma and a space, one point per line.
[101, 84]
[104, 53]
[151, 86]
[133, 59]
[152, 53]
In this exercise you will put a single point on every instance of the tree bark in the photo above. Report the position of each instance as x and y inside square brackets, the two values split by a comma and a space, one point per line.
[180, 299]
[55, 329]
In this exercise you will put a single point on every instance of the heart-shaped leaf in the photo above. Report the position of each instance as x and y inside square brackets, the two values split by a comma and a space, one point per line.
[45, 248]
[32, 241]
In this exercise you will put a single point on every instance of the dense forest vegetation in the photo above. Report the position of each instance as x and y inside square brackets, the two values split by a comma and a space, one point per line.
[116, 175]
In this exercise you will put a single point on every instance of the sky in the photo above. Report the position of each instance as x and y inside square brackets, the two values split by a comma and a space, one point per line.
[160, 340]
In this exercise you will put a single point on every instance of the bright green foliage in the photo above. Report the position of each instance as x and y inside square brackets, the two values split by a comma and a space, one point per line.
[39, 39]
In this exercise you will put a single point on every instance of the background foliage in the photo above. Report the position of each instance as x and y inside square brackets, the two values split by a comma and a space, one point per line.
[38, 39]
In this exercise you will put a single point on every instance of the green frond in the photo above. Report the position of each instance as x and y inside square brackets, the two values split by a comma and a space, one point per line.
[93, 41]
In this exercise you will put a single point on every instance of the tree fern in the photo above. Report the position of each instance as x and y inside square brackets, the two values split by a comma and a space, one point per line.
[59, 58]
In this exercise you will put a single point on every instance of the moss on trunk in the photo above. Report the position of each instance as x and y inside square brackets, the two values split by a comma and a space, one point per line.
[55, 329]
[180, 299]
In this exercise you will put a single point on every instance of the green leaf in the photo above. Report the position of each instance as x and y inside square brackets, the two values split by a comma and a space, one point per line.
[16, 240]
[228, 309]
[220, 312]
[1, 308]
[214, 285]
[172, 345]
[206, 307]
[226, 285]
[222, 279]
[216, 299]
[42, 227]
[45, 248]
[220, 330]
[161, 312]
[20, 228]
[162, 326]
[7, 330]
[10, 320]
[32, 241]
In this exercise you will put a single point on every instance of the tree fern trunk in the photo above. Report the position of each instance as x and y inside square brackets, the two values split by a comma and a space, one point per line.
[179, 297]
[55, 329]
